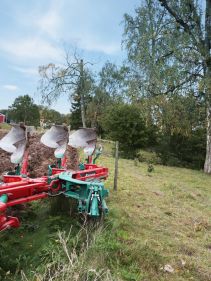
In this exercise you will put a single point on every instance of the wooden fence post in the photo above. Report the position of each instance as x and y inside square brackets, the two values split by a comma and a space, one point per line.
[116, 165]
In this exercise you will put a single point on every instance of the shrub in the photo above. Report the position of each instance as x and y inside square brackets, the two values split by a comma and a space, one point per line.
[126, 124]
[180, 150]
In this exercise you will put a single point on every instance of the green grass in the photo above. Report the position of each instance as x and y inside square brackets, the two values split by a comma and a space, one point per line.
[155, 219]
[161, 218]
[5, 126]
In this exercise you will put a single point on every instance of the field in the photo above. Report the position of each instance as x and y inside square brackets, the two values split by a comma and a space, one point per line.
[158, 228]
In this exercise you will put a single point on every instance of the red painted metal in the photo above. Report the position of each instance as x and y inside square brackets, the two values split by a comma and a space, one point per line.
[26, 199]
[56, 171]
[21, 190]
[24, 189]
[24, 166]
[91, 172]
[11, 178]
[90, 159]
[3, 207]
[64, 162]
[7, 222]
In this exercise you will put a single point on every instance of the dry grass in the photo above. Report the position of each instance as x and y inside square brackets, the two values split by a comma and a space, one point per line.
[70, 262]
[166, 212]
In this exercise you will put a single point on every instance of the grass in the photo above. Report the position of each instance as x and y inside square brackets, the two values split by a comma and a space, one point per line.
[156, 219]
[5, 126]
[164, 216]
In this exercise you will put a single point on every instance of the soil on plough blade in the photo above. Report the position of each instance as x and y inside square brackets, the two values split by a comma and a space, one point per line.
[5, 164]
[40, 156]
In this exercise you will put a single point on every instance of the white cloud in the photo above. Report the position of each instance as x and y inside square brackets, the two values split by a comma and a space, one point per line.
[50, 21]
[29, 71]
[53, 23]
[31, 48]
[11, 88]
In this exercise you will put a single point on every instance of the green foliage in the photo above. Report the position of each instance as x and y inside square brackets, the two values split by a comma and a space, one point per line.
[24, 110]
[4, 111]
[150, 168]
[180, 150]
[73, 79]
[109, 87]
[75, 116]
[5, 126]
[148, 156]
[112, 80]
[162, 58]
[166, 77]
[51, 116]
[97, 107]
[124, 123]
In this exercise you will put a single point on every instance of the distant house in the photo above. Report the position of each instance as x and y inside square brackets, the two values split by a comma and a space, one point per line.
[2, 118]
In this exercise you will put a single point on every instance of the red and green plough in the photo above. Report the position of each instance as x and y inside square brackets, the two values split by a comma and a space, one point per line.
[84, 184]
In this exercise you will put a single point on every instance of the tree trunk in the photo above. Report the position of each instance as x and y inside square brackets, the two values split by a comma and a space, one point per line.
[207, 165]
[82, 94]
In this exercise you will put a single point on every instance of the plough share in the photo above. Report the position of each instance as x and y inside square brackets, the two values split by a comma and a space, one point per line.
[84, 185]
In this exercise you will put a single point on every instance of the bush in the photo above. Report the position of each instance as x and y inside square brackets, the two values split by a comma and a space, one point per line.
[180, 150]
[125, 123]
[149, 157]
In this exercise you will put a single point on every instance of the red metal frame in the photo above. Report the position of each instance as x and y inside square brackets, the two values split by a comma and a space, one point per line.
[24, 166]
[21, 189]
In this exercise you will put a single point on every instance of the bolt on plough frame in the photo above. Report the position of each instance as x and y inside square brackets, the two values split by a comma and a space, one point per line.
[84, 185]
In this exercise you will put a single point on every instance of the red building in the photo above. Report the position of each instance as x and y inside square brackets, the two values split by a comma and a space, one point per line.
[2, 118]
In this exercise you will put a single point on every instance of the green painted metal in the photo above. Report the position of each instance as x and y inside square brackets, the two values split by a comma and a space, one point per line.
[81, 166]
[18, 170]
[50, 170]
[59, 162]
[4, 198]
[104, 205]
[90, 194]
[94, 209]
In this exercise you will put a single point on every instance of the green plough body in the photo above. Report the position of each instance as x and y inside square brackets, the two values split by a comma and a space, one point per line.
[90, 194]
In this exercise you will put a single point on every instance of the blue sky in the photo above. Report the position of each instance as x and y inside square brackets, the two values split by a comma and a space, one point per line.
[34, 33]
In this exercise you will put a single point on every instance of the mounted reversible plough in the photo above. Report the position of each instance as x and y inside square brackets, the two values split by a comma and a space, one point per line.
[84, 184]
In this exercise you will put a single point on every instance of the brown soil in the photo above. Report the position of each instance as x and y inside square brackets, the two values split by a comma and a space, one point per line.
[40, 156]
[5, 164]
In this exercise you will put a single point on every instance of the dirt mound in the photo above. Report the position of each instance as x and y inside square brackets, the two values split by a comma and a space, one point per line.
[40, 156]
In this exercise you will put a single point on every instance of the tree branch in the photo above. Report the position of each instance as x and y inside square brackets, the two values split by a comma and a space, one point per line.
[186, 27]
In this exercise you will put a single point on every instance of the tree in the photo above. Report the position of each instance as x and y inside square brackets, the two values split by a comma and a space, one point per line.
[160, 55]
[68, 79]
[168, 55]
[188, 16]
[51, 116]
[110, 88]
[181, 137]
[125, 123]
[24, 110]
[88, 88]
[112, 81]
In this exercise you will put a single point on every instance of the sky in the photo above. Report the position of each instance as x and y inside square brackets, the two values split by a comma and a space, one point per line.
[34, 33]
